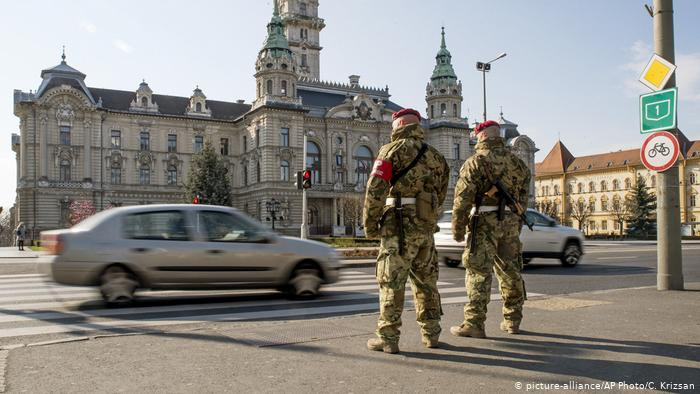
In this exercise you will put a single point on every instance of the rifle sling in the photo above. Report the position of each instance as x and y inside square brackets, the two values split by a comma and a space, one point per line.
[397, 176]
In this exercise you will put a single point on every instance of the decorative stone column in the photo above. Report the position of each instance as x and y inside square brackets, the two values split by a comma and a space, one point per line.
[87, 143]
[43, 150]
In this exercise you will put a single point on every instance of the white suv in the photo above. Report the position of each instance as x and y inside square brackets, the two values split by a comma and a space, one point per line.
[547, 240]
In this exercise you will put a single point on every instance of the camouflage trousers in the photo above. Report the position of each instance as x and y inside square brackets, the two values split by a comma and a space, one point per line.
[419, 263]
[498, 250]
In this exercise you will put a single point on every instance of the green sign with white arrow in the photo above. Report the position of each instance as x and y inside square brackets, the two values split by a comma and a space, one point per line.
[657, 110]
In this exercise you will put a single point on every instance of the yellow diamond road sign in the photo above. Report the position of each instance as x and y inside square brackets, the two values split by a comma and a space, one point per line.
[657, 72]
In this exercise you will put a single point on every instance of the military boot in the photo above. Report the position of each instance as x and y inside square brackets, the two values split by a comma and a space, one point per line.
[431, 343]
[467, 331]
[510, 327]
[379, 345]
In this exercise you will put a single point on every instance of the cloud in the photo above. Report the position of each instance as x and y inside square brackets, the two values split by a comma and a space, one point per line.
[122, 45]
[88, 26]
[687, 73]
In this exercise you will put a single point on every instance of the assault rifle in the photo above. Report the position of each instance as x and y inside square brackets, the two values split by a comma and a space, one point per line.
[497, 186]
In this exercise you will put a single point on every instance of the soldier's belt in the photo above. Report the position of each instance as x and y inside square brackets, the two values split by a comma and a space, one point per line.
[487, 208]
[402, 200]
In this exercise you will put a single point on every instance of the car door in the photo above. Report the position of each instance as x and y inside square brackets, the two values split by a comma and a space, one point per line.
[234, 249]
[158, 243]
[543, 238]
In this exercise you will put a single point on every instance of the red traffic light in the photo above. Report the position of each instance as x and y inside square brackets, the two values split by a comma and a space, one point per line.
[196, 200]
[307, 174]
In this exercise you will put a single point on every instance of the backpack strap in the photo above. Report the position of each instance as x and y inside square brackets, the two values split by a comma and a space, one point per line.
[398, 175]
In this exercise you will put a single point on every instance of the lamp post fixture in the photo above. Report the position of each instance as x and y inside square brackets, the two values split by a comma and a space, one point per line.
[485, 67]
[272, 207]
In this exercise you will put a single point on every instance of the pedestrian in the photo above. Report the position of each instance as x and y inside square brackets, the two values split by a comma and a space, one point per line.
[20, 233]
[405, 193]
[494, 230]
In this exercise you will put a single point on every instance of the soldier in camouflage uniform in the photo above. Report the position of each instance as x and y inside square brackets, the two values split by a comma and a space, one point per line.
[406, 250]
[498, 247]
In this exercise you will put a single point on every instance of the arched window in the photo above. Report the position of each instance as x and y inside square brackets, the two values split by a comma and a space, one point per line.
[616, 204]
[556, 190]
[580, 187]
[604, 203]
[284, 171]
[591, 187]
[454, 110]
[145, 174]
[284, 88]
[245, 174]
[363, 158]
[432, 111]
[616, 184]
[198, 107]
[258, 176]
[269, 87]
[691, 178]
[116, 173]
[591, 204]
[64, 171]
[443, 109]
[603, 186]
[172, 175]
[245, 144]
[313, 161]
[571, 188]
[628, 183]
[144, 101]
[259, 89]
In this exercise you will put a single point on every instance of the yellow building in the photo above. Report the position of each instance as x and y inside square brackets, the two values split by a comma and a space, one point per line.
[592, 189]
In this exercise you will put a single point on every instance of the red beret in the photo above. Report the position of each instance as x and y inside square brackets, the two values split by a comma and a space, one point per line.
[405, 111]
[481, 126]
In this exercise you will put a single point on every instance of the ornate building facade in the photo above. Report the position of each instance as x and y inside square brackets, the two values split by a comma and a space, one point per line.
[598, 184]
[118, 147]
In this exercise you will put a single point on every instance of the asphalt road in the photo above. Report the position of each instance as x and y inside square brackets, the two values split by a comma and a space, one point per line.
[32, 307]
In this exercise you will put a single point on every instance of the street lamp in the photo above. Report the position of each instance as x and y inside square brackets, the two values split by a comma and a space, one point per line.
[485, 67]
[272, 207]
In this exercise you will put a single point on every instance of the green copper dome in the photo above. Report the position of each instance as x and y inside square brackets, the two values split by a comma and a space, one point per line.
[443, 67]
[276, 41]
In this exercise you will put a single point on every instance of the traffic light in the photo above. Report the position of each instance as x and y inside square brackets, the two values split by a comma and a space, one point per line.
[300, 180]
[307, 179]
[195, 200]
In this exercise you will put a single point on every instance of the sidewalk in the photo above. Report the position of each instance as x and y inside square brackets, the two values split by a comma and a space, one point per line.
[636, 336]
[11, 252]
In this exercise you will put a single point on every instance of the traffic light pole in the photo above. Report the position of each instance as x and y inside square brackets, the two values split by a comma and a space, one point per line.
[304, 209]
[668, 213]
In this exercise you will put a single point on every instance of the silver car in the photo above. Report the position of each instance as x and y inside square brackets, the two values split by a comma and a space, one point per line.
[547, 240]
[186, 247]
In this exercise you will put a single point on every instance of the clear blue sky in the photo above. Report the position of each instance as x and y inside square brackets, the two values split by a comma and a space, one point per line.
[571, 70]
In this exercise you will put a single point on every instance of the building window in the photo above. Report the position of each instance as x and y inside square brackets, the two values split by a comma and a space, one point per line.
[145, 139]
[628, 183]
[284, 88]
[304, 62]
[257, 172]
[244, 148]
[692, 200]
[604, 225]
[591, 205]
[616, 225]
[339, 160]
[454, 110]
[571, 188]
[604, 204]
[340, 177]
[363, 157]
[172, 175]
[198, 107]
[145, 174]
[116, 175]
[443, 109]
[432, 111]
[64, 135]
[284, 136]
[455, 151]
[591, 187]
[64, 171]
[269, 87]
[691, 178]
[580, 187]
[302, 8]
[616, 184]
[245, 175]
[603, 186]
[556, 190]
[116, 139]
[257, 138]
[313, 161]
[198, 143]
[591, 225]
[144, 101]
[284, 170]
[224, 146]
[172, 143]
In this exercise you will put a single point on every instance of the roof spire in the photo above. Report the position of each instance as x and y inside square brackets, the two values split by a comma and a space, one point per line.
[501, 111]
[63, 55]
[443, 62]
[275, 11]
[442, 44]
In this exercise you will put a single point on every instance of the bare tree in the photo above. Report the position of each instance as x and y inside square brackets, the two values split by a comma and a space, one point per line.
[580, 211]
[352, 208]
[620, 210]
[549, 208]
[7, 228]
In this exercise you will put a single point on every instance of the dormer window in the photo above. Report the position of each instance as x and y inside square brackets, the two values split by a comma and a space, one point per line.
[198, 104]
[198, 107]
[144, 101]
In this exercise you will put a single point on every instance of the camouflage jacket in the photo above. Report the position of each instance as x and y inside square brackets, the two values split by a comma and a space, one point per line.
[504, 165]
[430, 174]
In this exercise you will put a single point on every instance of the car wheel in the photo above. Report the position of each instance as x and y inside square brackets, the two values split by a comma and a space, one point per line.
[118, 285]
[452, 263]
[571, 254]
[305, 283]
